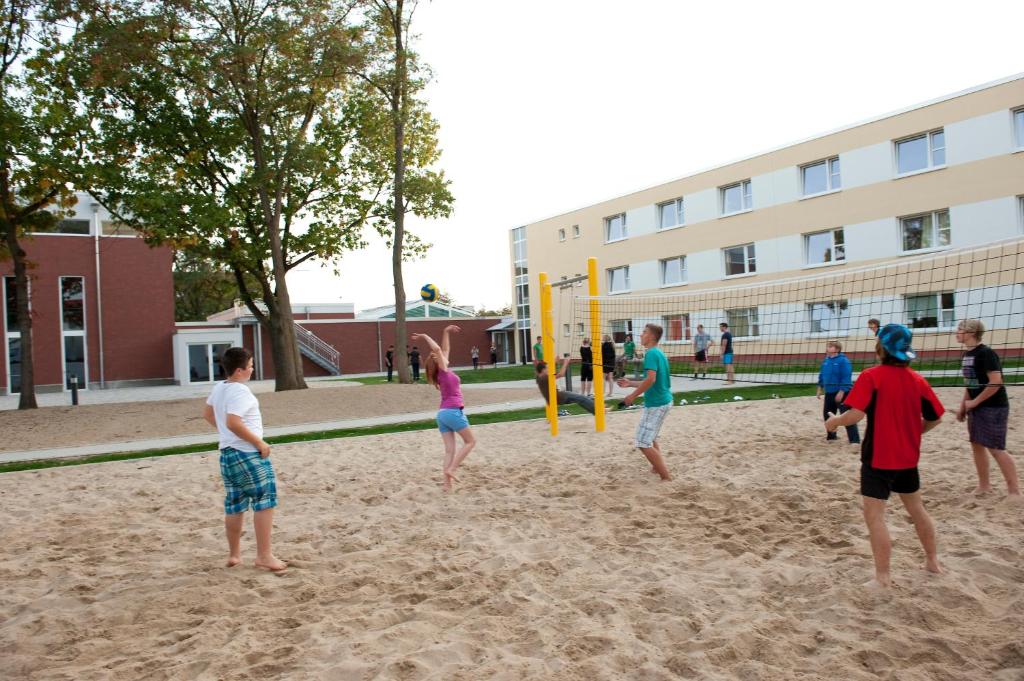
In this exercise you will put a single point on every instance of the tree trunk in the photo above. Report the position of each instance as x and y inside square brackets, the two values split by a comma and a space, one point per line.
[27, 396]
[398, 119]
[284, 350]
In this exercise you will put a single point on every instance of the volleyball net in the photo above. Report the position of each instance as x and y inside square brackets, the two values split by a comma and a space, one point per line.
[780, 328]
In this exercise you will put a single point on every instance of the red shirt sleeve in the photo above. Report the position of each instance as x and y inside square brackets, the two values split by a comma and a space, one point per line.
[860, 396]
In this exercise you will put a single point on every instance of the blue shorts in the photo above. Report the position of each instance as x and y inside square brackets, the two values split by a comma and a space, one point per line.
[727, 358]
[451, 420]
[248, 481]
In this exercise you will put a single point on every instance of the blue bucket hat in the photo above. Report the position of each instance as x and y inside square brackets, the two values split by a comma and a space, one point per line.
[895, 338]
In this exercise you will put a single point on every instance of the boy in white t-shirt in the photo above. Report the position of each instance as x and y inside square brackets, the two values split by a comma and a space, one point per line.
[244, 459]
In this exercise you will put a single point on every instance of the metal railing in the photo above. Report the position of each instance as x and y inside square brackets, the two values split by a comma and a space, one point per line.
[317, 347]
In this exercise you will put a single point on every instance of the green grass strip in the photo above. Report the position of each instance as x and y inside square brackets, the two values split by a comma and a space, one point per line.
[693, 398]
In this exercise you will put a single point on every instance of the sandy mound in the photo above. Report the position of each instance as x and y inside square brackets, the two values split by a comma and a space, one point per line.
[95, 423]
[556, 559]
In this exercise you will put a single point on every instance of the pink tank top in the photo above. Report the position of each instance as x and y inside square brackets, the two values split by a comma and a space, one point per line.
[451, 390]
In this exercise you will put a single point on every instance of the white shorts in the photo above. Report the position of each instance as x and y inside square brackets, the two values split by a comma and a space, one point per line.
[650, 425]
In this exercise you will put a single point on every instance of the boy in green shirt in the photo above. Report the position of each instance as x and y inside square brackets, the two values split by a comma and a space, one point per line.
[657, 391]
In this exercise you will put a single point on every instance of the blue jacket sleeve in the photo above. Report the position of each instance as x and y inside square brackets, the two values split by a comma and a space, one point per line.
[846, 374]
[821, 374]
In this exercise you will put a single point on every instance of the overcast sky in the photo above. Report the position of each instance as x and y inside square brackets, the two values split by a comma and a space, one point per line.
[547, 106]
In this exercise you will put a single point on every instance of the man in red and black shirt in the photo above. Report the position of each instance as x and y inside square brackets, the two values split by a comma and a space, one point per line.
[900, 406]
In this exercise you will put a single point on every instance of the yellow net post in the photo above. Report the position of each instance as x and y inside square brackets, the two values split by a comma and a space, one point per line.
[595, 344]
[547, 333]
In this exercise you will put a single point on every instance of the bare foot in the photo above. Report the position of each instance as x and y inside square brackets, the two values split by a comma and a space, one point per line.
[272, 564]
[933, 567]
[233, 561]
[877, 585]
[1015, 499]
[979, 490]
[666, 478]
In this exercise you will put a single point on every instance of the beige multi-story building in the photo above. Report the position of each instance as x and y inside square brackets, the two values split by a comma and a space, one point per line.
[941, 176]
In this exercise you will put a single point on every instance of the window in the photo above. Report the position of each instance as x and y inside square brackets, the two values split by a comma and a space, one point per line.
[930, 311]
[68, 227]
[618, 279]
[204, 362]
[823, 247]
[921, 152]
[743, 322]
[677, 327]
[673, 271]
[112, 228]
[615, 227]
[11, 305]
[521, 282]
[561, 234]
[1018, 126]
[737, 198]
[565, 330]
[830, 317]
[575, 231]
[821, 177]
[579, 328]
[72, 311]
[930, 230]
[670, 214]
[620, 329]
[740, 260]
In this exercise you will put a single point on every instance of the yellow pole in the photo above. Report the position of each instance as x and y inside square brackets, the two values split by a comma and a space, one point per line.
[547, 333]
[595, 345]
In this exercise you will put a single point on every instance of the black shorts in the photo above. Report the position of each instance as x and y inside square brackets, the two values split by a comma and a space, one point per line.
[701, 356]
[879, 483]
[587, 372]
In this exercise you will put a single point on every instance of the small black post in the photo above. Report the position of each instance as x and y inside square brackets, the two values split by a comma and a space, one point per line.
[74, 391]
[568, 376]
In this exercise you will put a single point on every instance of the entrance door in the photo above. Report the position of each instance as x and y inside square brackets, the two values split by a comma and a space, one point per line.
[204, 362]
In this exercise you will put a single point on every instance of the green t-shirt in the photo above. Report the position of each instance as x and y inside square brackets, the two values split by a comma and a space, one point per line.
[659, 394]
[629, 348]
[538, 352]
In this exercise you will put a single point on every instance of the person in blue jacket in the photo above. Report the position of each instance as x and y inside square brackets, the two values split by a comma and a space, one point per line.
[835, 380]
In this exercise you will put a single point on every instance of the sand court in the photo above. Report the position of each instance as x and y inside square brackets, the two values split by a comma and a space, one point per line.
[561, 559]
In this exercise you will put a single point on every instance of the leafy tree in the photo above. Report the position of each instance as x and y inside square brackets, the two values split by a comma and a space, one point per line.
[203, 287]
[37, 145]
[224, 129]
[400, 137]
[503, 312]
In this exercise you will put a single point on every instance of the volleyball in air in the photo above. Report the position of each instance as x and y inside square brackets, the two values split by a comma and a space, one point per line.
[429, 293]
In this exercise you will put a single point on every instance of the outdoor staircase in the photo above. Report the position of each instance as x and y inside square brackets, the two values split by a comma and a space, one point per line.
[319, 352]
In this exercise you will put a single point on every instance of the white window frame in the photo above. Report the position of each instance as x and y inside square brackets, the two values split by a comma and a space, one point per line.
[627, 330]
[680, 211]
[930, 141]
[579, 328]
[566, 330]
[753, 321]
[64, 333]
[940, 322]
[746, 198]
[663, 269]
[79, 236]
[843, 316]
[1018, 127]
[749, 257]
[1020, 214]
[935, 233]
[608, 228]
[827, 263]
[211, 360]
[9, 335]
[575, 231]
[561, 234]
[833, 179]
[611, 279]
[687, 330]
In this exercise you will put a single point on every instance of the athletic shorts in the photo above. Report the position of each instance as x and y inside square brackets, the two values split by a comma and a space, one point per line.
[727, 358]
[587, 372]
[986, 426]
[249, 481]
[879, 483]
[650, 425]
[451, 420]
[701, 356]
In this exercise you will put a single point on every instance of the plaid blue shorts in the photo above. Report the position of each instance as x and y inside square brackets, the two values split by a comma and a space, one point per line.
[248, 481]
[650, 425]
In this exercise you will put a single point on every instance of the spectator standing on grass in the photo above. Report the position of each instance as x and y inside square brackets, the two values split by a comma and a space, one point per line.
[414, 360]
[727, 352]
[494, 355]
[389, 360]
[474, 353]
[701, 342]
